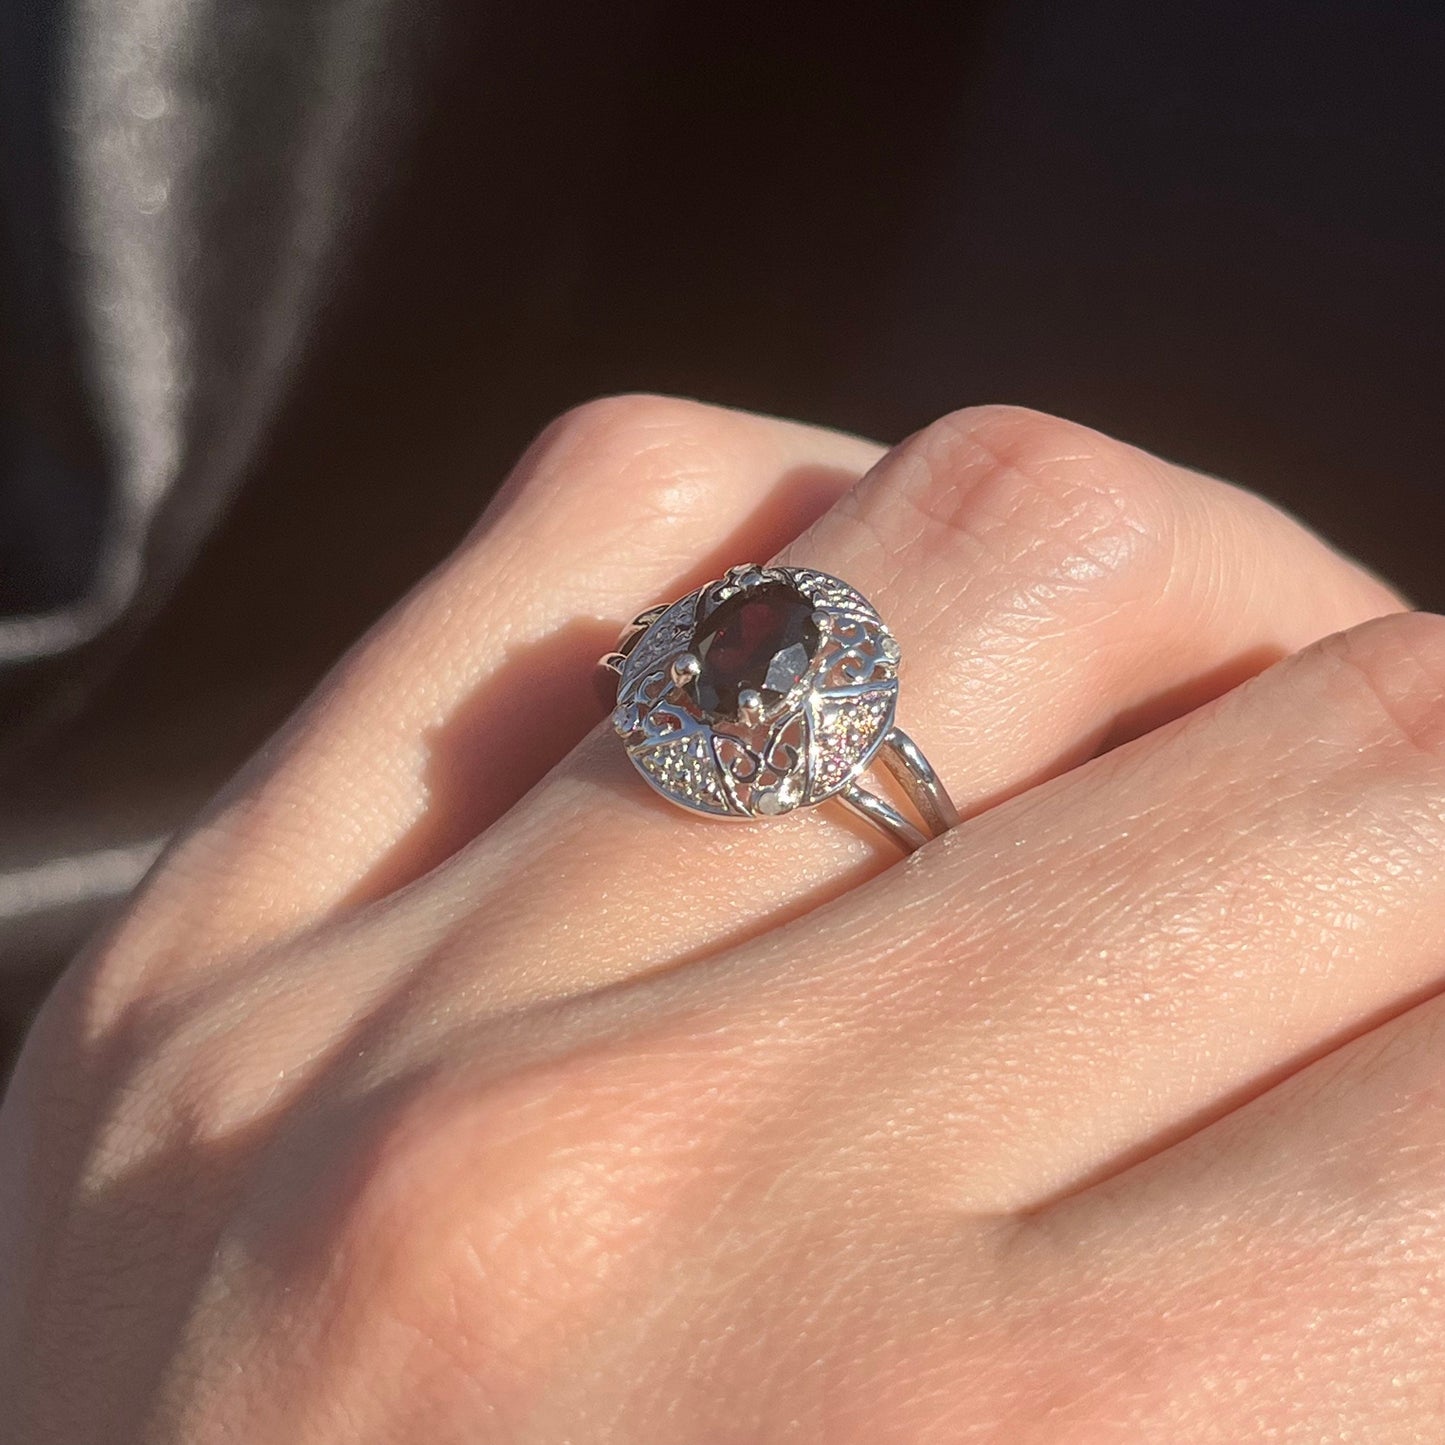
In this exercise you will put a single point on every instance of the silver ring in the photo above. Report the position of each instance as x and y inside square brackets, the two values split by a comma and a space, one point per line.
[771, 689]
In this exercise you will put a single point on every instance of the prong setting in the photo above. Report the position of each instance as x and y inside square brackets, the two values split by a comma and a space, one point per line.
[686, 667]
[750, 706]
[767, 690]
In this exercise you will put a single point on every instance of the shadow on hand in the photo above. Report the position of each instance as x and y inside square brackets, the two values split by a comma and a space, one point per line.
[540, 701]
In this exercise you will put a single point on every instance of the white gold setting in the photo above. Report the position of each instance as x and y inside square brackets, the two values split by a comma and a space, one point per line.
[807, 711]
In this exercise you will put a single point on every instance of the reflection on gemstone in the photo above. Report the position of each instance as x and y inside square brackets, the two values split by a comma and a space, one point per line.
[762, 639]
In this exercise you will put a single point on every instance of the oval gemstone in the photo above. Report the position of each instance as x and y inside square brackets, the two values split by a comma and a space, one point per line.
[762, 638]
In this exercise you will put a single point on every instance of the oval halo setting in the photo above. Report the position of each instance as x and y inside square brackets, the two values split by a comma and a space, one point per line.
[767, 690]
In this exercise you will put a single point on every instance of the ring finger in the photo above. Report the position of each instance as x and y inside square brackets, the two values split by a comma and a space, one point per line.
[1054, 592]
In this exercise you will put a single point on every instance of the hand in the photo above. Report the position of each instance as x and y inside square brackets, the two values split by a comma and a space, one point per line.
[403, 1106]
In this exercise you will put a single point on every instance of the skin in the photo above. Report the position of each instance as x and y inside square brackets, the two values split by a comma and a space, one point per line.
[445, 1084]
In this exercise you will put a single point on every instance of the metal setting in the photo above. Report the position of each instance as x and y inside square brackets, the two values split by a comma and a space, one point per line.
[785, 746]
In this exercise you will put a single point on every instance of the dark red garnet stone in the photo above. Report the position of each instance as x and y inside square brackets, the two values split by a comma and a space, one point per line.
[762, 638]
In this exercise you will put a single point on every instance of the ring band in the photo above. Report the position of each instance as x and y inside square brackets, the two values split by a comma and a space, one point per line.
[768, 690]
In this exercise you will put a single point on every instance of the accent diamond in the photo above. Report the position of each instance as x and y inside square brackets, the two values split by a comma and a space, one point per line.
[685, 766]
[846, 732]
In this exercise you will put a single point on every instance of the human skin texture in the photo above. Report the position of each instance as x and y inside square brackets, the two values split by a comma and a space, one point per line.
[445, 1084]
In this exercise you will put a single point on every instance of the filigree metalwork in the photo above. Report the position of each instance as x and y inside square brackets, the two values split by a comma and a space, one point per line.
[805, 748]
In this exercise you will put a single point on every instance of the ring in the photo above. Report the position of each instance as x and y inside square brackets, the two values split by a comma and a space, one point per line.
[771, 689]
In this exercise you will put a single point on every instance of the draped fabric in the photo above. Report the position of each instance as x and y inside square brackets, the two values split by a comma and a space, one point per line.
[284, 285]
[181, 182]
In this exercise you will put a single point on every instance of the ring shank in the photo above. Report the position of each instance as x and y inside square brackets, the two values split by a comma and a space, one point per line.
[906, 764]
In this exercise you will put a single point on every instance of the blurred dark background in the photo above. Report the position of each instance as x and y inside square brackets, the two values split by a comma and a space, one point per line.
[284, 287]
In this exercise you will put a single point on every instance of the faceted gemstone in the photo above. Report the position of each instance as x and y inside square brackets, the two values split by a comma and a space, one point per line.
[762, 638]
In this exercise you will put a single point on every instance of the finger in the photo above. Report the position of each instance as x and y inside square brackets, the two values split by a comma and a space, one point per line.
[480, 680]
[1051, 590]
[1297, 1244]
[1096, 969]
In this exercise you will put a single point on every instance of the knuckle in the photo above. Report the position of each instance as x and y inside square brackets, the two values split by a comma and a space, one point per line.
[1397, 664]
[655, 448]
[508, 1215]
[1024, 440]
[607, 423]
[1035, 491]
